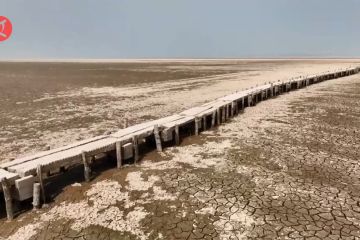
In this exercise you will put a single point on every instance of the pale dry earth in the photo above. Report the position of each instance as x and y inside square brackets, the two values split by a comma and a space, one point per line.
[53, 104]
[287, 168]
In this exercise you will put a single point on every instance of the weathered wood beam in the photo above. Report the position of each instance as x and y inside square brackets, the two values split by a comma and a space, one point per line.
[36, 195]
[87, 169]
[218, 113]
[8, 199]
[157, 138]
[119, 154]
[196, 126]
[213, 118]
[136, 148]
[177, 135]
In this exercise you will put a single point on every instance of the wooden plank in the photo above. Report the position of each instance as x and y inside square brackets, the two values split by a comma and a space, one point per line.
[50, 152]
[128, 150]
[23, 188]
[66, 158]
[11, 177]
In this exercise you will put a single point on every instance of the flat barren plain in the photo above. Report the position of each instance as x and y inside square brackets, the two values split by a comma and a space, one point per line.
[51, 104]
[287, 168]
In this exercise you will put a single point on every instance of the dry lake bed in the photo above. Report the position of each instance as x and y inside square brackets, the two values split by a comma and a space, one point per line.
[287, 168]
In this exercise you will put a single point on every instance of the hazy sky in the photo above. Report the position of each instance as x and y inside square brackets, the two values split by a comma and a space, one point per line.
[181, 28]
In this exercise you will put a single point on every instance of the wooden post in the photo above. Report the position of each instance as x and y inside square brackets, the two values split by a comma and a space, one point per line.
[118, 146]
[87, 170]
[39, 174]
[196, 126]
[218, 112]
[136, 148]
[157, 138]
[213, 117]
[126, 123]
[227, 112]
[36, 195]
[8, 199]
[243, 103]
[204, 123]
[223, 114]
[233, 109]
[177, 135]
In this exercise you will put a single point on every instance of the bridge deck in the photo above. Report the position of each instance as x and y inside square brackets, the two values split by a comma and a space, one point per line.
[72, 154]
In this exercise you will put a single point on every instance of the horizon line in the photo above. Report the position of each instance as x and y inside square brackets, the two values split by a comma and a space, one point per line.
[169, 59]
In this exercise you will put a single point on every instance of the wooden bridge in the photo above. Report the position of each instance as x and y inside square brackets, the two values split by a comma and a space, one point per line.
[24, 177]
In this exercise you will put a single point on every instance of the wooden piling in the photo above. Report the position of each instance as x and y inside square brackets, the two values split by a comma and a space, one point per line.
[213, 117]
[126, 122]
[204, 123]
[223, 114]
[177, 135]
[196, 126]
[8, 199]
[157, 138]
[233, 109]
[36, 195]
[136, 148]
[118, 146]
[227, 112]
[249, 101]
[39, 174]
[87, 169]
[218, 112]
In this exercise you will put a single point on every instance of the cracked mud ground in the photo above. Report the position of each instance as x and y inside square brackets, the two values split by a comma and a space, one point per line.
[286, 169]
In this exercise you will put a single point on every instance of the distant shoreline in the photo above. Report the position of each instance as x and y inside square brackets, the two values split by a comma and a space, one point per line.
[130, 60]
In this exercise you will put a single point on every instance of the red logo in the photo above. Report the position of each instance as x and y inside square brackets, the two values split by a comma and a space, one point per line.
[5, 28]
